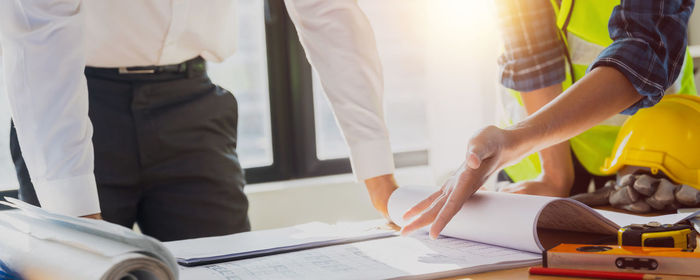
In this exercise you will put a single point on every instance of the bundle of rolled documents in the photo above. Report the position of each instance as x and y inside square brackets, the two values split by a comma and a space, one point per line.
[35, 244]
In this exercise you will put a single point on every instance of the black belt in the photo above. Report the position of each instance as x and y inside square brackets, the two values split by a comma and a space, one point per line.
[196, 65]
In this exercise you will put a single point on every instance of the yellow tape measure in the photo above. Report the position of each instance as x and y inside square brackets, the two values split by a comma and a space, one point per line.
[654, 234]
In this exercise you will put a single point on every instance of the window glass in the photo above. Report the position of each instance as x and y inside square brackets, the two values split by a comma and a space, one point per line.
[245, 75]
[399, 26]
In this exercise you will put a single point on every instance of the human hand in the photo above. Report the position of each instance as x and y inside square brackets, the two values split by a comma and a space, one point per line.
[97, 216]
[488, 150]
[380, 189]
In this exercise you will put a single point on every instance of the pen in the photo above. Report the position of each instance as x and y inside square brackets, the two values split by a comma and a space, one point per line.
[592, 274]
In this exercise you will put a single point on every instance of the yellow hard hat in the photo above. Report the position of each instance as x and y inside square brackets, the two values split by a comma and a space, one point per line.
[665, 137]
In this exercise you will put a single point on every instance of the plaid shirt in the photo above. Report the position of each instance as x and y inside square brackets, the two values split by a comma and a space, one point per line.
[649, 42]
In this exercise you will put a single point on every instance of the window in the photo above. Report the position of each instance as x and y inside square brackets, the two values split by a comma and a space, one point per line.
[245, 75]
[315, 146]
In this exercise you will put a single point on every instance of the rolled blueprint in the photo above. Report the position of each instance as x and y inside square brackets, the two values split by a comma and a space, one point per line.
[39, 245]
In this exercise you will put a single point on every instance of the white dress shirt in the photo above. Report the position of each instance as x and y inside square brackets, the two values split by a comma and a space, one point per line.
[47, 43]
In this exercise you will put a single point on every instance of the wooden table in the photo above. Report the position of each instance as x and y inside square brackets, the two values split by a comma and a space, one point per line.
[521, 273]
[516, 273]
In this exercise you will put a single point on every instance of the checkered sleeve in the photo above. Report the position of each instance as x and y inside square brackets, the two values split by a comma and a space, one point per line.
[533, 56]
[649, 43]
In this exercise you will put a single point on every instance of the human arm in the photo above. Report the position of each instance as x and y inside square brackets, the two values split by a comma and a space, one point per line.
[557, 175]
[533, 64]
[630, 74]
[340, 45]
[44, 62]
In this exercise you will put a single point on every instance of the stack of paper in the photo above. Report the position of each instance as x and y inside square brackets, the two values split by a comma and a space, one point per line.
[414, 257]
[218, 249]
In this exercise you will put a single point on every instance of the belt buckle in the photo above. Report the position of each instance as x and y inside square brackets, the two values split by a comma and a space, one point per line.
[126, 70]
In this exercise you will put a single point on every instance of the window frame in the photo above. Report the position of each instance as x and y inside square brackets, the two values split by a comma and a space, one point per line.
[292, 109]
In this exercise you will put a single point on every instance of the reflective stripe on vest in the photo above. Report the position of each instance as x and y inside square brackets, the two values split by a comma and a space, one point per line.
[583, 27]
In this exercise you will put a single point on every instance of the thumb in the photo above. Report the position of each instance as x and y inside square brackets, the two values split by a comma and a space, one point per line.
[473, 160]
[477, 153]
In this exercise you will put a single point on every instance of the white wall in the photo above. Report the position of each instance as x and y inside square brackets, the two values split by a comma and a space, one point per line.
[464, 46]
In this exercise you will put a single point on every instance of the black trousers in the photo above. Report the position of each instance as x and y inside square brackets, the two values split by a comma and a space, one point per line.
[165, 153]
[582, 178]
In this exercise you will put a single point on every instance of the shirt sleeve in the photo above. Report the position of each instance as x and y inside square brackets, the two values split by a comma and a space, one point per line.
[533, 56]
[340, 45]
[44, 60]
[649, 43]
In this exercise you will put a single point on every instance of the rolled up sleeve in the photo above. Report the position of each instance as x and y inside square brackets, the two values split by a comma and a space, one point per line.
[533, 56]
[649, 44]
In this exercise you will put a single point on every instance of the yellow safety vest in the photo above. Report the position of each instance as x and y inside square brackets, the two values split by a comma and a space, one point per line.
[583, 28]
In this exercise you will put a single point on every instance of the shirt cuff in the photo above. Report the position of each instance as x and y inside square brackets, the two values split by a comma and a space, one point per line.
[371, 159]
[74, 196]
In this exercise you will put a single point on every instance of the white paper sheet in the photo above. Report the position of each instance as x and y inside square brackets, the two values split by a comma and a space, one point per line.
[487, 217]
[313, 234]
[395, 257]
[511, 220]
